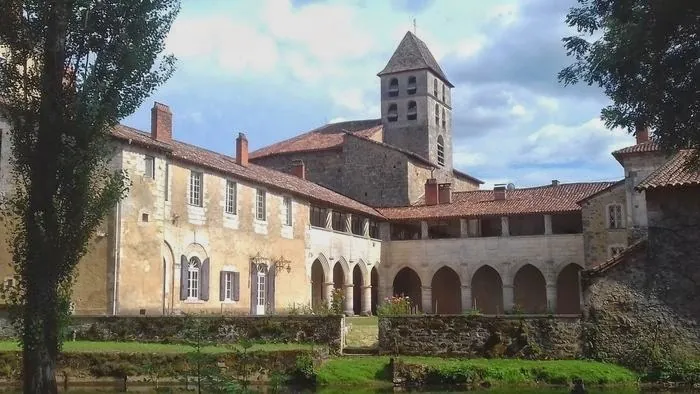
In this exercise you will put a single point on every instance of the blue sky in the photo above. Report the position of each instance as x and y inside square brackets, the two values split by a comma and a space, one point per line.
[276, 68]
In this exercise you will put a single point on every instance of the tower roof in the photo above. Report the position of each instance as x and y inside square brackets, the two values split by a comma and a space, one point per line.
[413, 54]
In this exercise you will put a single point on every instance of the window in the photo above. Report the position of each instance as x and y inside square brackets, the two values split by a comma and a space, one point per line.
[231, 197]
[357, 225]
[437, 115]
[196, 188]
[615, 250]
[230, 286]
[167, 180]
[260, 212]
[338, 222]
[393, 87]
[373, 229]
[435, 87]
[393, 113]
[318, 216]
[150, 167]
[287, 210]
[193, 278]
[615, 216]
[441, 151]
[444, 119]
[443, 93]
[412, 112]
[411, 85]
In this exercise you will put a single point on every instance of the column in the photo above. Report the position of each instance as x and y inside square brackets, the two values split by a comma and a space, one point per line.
[366, 300]
[427, 299]
[328, 291]
[547, 224]
[349, 302]
[463, 228]
[423, 229]
[508, 298]
[466, 298]
[329, 218]
[505, 230]
[551, 298]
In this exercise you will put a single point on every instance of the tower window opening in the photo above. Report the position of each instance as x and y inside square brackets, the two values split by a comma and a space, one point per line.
[393, 87]
[440, 151]
[412, 113]
[437, 115]
[435, 87]
[443, 93]
[444, 119]
[411, 85]
[393, 113]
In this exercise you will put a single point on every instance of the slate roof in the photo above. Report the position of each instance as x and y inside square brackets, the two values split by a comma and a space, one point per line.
[561, 198]
[673, 173]
[413, 54]
[254, 173]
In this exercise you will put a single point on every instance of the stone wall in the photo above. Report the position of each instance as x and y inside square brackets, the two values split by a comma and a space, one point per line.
[597, 237]
[322, 167]
[527, 336]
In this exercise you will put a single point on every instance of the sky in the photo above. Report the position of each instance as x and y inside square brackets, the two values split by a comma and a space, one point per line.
[274, 69]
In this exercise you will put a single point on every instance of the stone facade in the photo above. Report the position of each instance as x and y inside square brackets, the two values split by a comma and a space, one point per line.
[599, 239]
[324, 167]
[534, 337]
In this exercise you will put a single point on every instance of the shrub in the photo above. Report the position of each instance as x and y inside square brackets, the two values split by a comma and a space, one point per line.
[337, 301]
[394, 306]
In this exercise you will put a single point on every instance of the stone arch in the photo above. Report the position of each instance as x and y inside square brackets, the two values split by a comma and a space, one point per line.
[358, 282]
[569, 289]
[168, 288]
[447, 291]
[339, 276]
[345, 267]
[407, 282]
[196, 250]
[326, 267]
[530, 289]
[487, 290]
[374, 280]
[318, 284]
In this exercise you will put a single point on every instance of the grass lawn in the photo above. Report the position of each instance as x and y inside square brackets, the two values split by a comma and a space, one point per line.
[137, 347]
[363, 332]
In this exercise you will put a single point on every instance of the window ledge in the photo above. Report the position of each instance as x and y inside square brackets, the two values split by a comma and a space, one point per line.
[194, 301]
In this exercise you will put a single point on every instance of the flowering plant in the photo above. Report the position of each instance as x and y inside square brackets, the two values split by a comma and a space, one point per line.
[395, 305]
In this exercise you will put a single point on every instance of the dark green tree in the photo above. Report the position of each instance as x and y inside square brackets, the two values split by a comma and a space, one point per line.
[73, 70]
[645, 54]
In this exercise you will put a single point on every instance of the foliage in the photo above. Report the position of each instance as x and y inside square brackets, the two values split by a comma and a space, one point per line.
[472, 312]
[74, 69]
[321, 309]
[337, 301]
[644, 54]
[304, 372]
[395, 306]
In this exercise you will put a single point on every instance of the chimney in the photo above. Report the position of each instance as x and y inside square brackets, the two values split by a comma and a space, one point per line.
[161, 122]
[555, 182]
[444, 193]
[431, 191]
[242, 150]
[499, 192]
[298, 169]
[642, 133]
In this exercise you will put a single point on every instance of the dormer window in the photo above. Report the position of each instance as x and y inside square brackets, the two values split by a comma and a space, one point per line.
[444, 119]
[393, 87]
[435, 87]
[411, 85]
[393, 113]
[412, 113]
[437, 115]
[441, 151]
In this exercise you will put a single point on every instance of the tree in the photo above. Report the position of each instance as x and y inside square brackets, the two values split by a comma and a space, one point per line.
[74, 68]
[645, 54]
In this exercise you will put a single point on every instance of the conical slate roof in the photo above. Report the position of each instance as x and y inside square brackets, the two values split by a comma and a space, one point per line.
[413, 54]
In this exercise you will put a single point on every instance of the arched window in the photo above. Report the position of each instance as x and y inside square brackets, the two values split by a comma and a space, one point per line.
[437, 115]
[444, 119]
[411, 85]
[435, 89]
[443, 93]
[441, 151]
[393, 87]
[193, 277]
[393, 113]
[412, 113]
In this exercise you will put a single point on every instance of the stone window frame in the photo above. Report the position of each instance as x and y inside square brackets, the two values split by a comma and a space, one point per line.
[444, 119]
[392, 112]
[287, 210]
[443, 93]
[149, 167]
[412, 85]
[393, 87]
[231, 197]
[411, 110]
[613, 224]
[196, 188]
[261, 205]
[435, 88]
[440, 151]
[194, 278]
[231, 284]
[615, 247]
[437, 114]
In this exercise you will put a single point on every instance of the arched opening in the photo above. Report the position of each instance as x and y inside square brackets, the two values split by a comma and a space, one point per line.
[392, 113]
[168, 275]
[318, 278]
[412, 111]
[375, 289]
[393, 87]
[411, 85]
[437, 115]
[530, 290]
[487, 291]
[569, 290]
[447, 292]
[441, 151]
[358, 283]
[338, 276]
[407, 283]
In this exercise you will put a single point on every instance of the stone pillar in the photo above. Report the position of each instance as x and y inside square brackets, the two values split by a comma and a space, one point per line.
[366, 300]
[348, 223]
[427, 299]
[329, 218]
[463, 228]
[328, 291]
[474, 227]
[551, 298]
[466, 298]
[505, 229]
[365, 227]
[423, 229]
[547, 224]
[508, 298]
[349, 300]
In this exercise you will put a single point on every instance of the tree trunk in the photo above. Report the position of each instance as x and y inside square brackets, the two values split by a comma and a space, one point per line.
[40, 338]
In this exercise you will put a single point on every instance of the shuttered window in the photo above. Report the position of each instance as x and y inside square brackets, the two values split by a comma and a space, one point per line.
[230, 286]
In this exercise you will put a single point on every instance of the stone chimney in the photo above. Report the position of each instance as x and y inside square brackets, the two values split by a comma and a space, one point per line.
[499, 192]
[298, 169]
[242, 150]
[555, 182]
[642, 134]
[161, 123]
[431, 191]
[444, 193]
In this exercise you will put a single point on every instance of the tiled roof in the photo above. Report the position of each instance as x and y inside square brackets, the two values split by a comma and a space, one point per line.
[619, 258]
[479, 203]
[413, 54]
[253, 173]
[607, 189]
[461, 174]
[648, 146]
[325, 137]
[674, 172]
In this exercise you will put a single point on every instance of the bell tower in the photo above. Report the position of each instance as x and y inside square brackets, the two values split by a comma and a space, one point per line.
[416, 105]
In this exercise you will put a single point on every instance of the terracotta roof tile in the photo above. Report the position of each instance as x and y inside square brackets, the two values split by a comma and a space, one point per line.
[618, 259]
[618, 183]
[479, 203]
[325, 137]
[649, 146]
[674, 172]
[253, 173]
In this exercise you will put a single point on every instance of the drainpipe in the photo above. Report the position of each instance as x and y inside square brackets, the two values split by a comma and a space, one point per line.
[117, 247]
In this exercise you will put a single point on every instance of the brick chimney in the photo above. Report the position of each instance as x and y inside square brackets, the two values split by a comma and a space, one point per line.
[161, 122]
[242, 150]
[431, 192]
[298, 169]
[642, 134]
[444, 193]
[499, 192]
